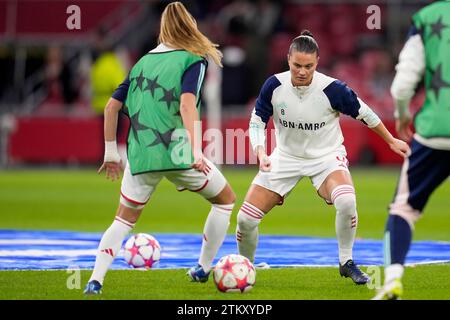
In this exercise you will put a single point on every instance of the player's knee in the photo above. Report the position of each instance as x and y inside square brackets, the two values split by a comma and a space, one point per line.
[130, 204]
[226, 196]
[345, 204]
[231, 196]
[226, 209]
[245, 222]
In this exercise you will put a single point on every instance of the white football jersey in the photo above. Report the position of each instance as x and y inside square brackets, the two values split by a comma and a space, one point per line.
[306, 118]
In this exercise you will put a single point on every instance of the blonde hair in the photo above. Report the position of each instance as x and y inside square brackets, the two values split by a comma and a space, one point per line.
[179, 30]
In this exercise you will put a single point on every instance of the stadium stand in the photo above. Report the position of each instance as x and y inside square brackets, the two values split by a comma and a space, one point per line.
[41, 99]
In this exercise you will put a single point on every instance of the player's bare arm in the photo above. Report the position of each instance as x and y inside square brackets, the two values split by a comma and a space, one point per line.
[410, 70]
[112, 162]
[257, 133]
[398, 146]
[189, 115]
[403, 119]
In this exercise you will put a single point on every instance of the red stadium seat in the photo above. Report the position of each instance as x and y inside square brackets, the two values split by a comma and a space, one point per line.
[279, 46]
[33, 20]
[341, 9]
[3, 10]
[309, 16]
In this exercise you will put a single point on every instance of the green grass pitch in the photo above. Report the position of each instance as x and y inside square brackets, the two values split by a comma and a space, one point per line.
[80, 200]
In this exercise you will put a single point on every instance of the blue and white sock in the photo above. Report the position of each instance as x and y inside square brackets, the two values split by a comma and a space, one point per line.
[397, 240]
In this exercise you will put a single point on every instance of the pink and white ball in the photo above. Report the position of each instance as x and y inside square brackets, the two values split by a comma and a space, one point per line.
[234, 273]
[142, 251]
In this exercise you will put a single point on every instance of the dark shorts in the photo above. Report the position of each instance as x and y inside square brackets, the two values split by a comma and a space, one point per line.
[423, 171]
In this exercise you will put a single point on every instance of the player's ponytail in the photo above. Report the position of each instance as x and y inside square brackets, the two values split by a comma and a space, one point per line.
[305, 42]
[179, 30]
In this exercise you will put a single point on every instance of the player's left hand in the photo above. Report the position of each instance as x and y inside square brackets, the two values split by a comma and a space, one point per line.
[400, 147]
[112, 169]
[265, 164]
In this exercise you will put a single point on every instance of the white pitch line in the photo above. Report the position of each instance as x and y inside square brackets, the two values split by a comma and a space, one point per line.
[46, 241]
[46, 253]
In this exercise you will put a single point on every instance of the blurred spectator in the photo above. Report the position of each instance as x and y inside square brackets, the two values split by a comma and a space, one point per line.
[235, 20]
[235, 79]
[59, 79]
[381, 78]
[264, 21]
[378, 67]
[249, 26]
[107, 72]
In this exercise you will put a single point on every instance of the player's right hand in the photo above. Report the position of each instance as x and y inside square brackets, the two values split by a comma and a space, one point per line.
[403, 130]
[265, 164]
[199, 162]
[400, 147]
[112, 169]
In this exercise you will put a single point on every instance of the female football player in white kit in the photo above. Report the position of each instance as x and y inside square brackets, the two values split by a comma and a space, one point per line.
[305, 106]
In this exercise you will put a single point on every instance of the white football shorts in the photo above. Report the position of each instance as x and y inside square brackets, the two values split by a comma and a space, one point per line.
[137, 189]
[288, 170]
